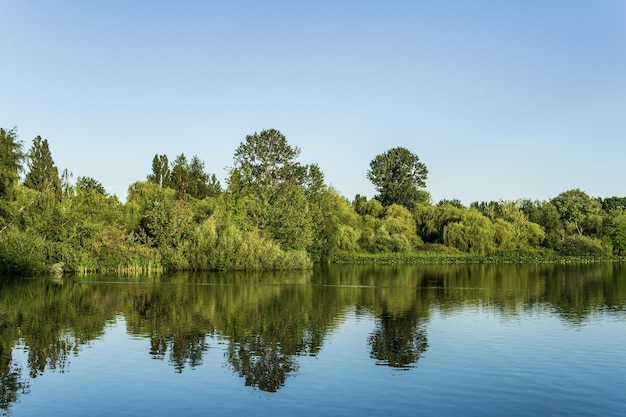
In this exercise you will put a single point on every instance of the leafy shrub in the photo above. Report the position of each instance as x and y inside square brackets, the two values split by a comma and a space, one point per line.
[221, 246]
[347, 238]
[579, 245]
[21, 252]
[474, 233]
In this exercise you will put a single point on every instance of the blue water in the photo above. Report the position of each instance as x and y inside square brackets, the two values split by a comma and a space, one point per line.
[472, 341]
[478, 363]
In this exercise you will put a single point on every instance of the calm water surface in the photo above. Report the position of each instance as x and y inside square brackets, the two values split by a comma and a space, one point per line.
[470, 340]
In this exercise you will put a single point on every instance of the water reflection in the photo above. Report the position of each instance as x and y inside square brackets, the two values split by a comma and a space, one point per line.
[398, 341]
[261, 363]
[267, 321]
[12, 384]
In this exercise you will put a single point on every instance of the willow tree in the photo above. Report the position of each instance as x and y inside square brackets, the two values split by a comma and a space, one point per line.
[514, 231]
[431, 221]
[474, 233]
[399, 178]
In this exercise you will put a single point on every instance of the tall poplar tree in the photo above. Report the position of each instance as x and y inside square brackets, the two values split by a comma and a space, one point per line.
[160, 171]
[43, 175]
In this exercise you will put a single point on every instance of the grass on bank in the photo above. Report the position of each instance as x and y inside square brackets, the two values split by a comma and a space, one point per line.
[451, 257]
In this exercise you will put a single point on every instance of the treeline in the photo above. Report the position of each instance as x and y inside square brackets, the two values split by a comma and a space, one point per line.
[273, 213]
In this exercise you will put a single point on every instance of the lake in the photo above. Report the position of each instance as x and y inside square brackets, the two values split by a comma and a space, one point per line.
[353, 340]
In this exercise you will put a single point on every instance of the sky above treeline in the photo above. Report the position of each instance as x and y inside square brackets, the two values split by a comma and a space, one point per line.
[500, 99]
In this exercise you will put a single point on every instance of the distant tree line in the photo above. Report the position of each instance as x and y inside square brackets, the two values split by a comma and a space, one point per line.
[273, 213]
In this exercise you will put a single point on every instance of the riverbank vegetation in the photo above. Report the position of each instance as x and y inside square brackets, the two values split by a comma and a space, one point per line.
[274, 213]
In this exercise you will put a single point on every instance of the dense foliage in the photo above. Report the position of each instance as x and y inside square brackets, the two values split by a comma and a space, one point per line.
[399, 177]
[274, 214]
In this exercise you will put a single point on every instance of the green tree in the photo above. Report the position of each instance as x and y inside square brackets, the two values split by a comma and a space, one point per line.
[336, 226]
[90, 185]
[513, 229]
[43, 175]
[160, 171]
[187, 177]
[387, 230]
[198, 179]
[168, 226]
[613, 203]
[454, 203]
[579, 213]
[359, 204]
[399, 177]
[72, 226]
[475, 233]
[431, 221]
[266, 159]
[11, 159]
[142, 196]
[323, 215]
[269, 189]
[219, 245]
[364, 207]
[280, 213]
[288, 219]
[314, 182]
[180, 175]
[201, 184]
[546, 215]
[400, 230]
[614, 227]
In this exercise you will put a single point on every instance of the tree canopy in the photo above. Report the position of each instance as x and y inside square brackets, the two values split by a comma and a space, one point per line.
[160, 171]
[399, 177]
[578, 211]
[266, 159]
[43, 175]
[271, 188]
[186, 177]
[11, 159]
[275, 214]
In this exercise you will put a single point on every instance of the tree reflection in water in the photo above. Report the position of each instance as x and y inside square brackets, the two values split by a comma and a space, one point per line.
[269, 321]
[12, 385]
[398, 341]
[261, 363]
[184, 347]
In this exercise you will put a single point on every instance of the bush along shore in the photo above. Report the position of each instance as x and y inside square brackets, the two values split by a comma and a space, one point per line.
[467, 258]
[276, 214]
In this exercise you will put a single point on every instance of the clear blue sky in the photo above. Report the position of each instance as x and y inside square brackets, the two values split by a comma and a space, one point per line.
[500, 99]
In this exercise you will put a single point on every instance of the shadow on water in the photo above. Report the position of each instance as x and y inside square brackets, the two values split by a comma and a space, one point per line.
[267, 321]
